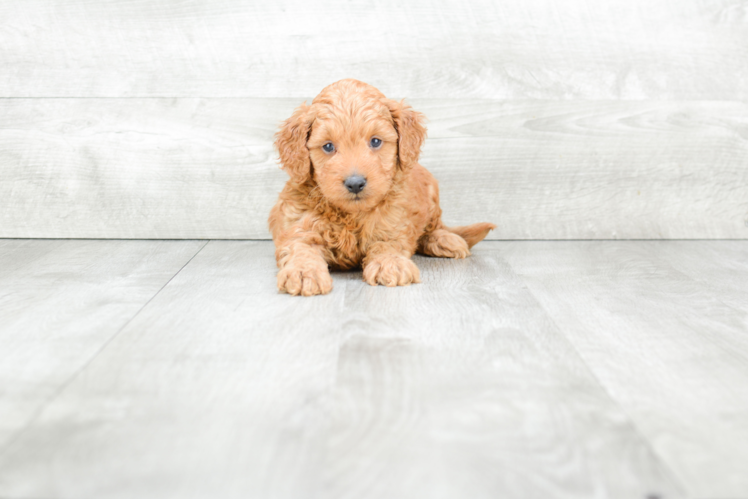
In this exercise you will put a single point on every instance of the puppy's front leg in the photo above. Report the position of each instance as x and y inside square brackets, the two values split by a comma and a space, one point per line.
[303, 270]
[387, 263]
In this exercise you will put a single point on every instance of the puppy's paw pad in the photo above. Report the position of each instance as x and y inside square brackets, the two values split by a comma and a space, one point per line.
[391, 270]
[307, 281]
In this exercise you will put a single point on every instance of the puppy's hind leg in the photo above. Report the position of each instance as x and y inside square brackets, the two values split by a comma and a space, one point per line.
[443, 243]
[453, 242]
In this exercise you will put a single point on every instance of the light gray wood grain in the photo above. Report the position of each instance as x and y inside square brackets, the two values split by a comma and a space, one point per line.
[464, 387]
[580, 49]
[60, 303]
[214, 390]
[720, 265]
[205, 168]
[668, 348]
[460, 386]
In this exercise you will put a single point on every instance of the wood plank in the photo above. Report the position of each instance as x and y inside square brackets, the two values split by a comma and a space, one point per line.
[221, 387]
[60, 303]
[205, 168]
[214, 389]
[665, 346]
[722, 266]
[463, 387]
[577, 49]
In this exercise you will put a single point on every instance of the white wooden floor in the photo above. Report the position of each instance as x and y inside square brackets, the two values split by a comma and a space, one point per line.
[173, 368]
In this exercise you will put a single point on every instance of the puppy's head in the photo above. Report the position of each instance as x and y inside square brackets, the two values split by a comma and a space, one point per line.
[350, 142]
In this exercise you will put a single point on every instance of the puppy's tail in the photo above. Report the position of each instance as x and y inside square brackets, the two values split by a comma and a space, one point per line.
[472, 233]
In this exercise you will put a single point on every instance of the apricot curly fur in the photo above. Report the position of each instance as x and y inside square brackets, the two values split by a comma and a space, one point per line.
[318, 224]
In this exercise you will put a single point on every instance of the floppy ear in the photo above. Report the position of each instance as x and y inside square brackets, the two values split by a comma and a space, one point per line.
[410, 130]
[290, 141]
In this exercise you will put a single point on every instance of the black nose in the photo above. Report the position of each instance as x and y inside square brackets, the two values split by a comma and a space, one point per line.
[355, 183]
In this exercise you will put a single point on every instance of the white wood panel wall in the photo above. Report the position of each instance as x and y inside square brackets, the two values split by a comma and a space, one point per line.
[510, 49]
[554, 119]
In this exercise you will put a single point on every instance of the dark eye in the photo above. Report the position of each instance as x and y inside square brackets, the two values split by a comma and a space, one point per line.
[328, 147]
[375, 142]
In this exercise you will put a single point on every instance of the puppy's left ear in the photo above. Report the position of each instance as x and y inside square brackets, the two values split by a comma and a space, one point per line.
[290, 141]
[410, 130]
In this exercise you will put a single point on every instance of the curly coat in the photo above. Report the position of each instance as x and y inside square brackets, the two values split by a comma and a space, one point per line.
[318, 223]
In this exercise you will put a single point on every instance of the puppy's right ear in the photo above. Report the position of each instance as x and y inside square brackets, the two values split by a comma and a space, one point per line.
[290, 141]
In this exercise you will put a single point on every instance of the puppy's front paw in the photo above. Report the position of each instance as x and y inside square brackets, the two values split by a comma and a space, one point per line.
[391, 270]
[311, 279]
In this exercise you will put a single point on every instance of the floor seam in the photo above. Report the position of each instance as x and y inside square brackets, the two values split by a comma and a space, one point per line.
[9, 444]
[666, 466]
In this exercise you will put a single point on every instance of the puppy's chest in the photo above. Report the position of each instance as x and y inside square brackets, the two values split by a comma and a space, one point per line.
[348, 239]
[346, 244]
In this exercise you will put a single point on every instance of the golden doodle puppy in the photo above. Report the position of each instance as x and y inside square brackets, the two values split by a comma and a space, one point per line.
[357, 195]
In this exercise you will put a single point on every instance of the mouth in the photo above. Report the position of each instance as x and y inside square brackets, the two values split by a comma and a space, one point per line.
[357, 201]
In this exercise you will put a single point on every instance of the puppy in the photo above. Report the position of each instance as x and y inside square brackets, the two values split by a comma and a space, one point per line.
[357, 195]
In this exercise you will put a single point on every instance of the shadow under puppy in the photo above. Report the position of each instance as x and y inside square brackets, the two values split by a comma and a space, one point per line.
[357, 195]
